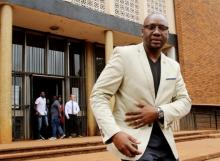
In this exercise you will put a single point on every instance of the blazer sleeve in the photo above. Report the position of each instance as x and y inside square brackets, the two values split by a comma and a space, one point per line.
[105, 87]
[180, 105]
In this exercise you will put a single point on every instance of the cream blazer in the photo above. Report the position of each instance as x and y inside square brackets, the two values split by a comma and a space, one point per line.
[128, 77]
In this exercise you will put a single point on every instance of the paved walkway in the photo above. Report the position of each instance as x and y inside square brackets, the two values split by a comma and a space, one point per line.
[197, 150]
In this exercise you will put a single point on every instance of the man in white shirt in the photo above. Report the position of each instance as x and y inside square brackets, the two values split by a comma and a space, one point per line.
[41, 112]
[71, 111]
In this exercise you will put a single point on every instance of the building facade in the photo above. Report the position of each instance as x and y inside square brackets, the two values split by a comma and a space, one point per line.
[61, 47]
[198, 27]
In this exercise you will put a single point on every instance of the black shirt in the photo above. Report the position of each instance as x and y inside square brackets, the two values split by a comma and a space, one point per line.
[155, 69]
[157, 140]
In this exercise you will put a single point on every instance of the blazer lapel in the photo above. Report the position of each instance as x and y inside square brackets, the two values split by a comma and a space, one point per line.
[162, 77]
[146, 66]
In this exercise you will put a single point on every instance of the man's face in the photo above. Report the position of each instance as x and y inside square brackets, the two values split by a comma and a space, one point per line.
[73, 97]
[42, 94]
[155, 32]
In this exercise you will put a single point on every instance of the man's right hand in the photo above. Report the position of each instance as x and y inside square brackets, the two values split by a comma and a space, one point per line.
[126, 144]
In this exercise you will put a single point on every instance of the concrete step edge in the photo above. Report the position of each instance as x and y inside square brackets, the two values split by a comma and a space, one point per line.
[204, 157]
[197, 137]
[50, 146]
[188, 133]
[191, 138]
[71, 151]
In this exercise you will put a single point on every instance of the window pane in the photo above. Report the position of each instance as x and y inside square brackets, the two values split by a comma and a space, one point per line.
[16, 92]
[99, 60]
[35, 51]
[76, 60]
[17, 48]
[55, 63]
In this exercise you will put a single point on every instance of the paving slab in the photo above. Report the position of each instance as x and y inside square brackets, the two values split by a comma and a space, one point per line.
[198, 150]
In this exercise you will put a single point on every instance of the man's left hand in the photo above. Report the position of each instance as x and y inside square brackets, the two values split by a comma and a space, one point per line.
[146, 114]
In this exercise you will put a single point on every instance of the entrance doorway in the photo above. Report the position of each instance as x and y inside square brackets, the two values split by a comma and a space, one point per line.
[52, 86]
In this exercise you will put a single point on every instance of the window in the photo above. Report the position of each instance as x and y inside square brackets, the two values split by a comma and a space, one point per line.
[35, 53]
[17, 50]
[55, 59]
[99, 60]
[76, 59]
[16, 92]
[127, 9]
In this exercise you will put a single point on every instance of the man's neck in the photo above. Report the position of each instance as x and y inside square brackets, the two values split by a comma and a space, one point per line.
[154, 55]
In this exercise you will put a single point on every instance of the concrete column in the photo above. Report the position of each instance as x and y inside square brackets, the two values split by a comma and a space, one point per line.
[171, 53]
[170, 13]
[142, 11]
[110, 7]
[6, 73]
[91, 123]
[108, 45]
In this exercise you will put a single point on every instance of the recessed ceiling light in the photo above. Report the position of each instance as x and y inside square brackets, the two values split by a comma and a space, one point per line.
[54, 28]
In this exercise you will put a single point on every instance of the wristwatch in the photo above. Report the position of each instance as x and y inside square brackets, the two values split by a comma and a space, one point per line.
[160, 113]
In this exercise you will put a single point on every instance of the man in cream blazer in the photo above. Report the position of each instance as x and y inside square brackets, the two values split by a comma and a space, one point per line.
[138, 107]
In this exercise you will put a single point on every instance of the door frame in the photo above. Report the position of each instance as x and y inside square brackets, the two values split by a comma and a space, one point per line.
[32, 99]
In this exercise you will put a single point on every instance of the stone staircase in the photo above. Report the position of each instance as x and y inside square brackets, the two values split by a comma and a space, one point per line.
[196, 135]
[47, 149]
[27, 150]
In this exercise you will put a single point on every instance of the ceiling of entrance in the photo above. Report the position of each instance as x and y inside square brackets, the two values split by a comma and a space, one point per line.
[40, 21]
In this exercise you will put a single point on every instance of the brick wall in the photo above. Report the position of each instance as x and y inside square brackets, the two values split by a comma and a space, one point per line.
[198, 34]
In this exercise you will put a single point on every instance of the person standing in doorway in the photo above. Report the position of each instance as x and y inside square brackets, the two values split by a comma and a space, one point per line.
[71, 111]
[41, 113]
[55, 119]
[62, 119]
[150, 94]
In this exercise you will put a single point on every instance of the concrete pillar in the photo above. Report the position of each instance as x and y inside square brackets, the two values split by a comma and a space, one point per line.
[171, 53]
[6, 73]
[110, 7]
[142, 11]
[108, 45]
[91, 123]
[170, 13]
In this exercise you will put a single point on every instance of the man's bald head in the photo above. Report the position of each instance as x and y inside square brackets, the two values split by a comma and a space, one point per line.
[156, 16]
[155, 32]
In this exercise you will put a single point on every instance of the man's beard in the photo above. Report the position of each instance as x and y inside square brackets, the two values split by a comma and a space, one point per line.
[154, 49]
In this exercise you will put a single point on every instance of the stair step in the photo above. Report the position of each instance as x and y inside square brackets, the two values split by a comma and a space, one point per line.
[214, 135]
[47, 149]
[48, 146]
[192, 137]
[189, 133]
[52, 153]
[197, 137]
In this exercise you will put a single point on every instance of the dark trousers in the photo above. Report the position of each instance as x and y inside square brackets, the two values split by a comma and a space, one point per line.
[72, 126]
[154, 155]
[160, 159]
[156, 160]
